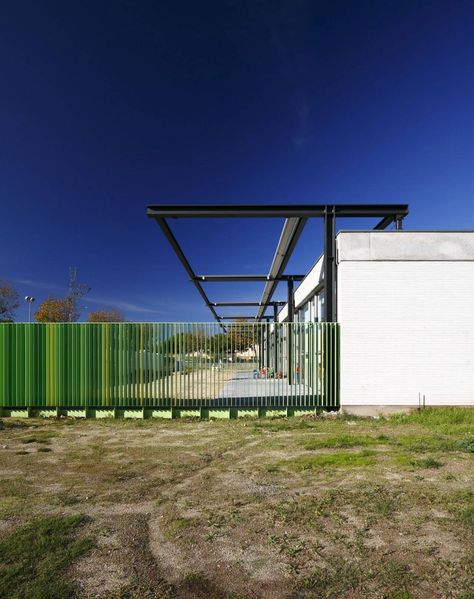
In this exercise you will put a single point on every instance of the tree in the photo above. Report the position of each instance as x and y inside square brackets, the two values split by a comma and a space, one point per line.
[9, 302]
[112, 315]
[243, 334]
[65, 309]
[184, 341]
[55, 309]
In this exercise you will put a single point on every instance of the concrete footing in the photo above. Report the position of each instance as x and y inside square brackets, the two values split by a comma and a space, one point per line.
[204, 413]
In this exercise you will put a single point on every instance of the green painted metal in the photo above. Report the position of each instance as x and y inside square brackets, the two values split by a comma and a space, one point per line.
[147, 370]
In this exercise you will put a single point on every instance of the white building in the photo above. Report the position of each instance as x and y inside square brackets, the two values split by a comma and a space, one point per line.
[405, 304]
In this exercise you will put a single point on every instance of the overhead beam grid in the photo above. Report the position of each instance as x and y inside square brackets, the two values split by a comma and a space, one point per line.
[296, 216]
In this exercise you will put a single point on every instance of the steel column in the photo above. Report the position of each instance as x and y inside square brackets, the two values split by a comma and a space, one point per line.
[289, 340]
[275, 336]
[267, 337]
[330, 301]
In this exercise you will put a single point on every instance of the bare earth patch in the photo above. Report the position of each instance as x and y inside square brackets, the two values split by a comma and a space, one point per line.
[289, 508]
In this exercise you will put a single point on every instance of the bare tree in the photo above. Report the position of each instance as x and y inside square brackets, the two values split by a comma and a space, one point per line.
[76, 291]
[9, 301]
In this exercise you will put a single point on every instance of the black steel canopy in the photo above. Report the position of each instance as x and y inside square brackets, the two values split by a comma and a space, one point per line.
[276, 210]
[296, 216]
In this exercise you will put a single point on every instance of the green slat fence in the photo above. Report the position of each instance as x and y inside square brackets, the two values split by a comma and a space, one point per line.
[169, 365]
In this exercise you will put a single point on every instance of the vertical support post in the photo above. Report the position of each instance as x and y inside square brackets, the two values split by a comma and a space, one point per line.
[289, 340]
[330, 298]
[398, 223]
[275, 338]
[267, 341]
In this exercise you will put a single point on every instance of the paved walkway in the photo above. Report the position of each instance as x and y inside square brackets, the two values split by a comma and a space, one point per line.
[242, 384]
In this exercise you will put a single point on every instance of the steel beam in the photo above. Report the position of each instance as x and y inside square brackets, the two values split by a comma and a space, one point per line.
[290, 234]
[252, 304]
[244, 278]
[388, 220]
[239, 317]
[182, 258]
[274, 210]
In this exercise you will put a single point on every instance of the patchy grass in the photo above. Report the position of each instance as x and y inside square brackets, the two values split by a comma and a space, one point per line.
[428, 442]
[449, 421]
[39, 437]
[338, 459]
[293, 508]
[466, 517]
[344, 441]
[34, 558]
[343, 577]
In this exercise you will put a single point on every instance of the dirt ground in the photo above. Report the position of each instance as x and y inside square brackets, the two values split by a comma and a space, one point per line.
[284, 508]
[204, 382]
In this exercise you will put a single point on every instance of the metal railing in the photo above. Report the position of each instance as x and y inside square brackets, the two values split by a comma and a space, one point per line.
[169, 365]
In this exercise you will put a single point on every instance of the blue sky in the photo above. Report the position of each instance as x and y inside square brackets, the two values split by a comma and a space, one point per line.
[106, 107]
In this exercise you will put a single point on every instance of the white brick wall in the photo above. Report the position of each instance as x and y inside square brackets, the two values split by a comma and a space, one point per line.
[407, 327]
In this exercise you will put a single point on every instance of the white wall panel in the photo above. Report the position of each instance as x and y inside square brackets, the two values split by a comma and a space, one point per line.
[407, 327]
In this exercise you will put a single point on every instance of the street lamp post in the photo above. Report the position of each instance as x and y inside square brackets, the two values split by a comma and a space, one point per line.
[29, 299]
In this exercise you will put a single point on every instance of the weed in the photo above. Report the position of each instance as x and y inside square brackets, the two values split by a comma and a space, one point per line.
[383, 504]
[294, 550]
[35, 556]
[466, 518]
[428, 463]
[179, 523]
[406, 460]
[216, 521]
[467, 444]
